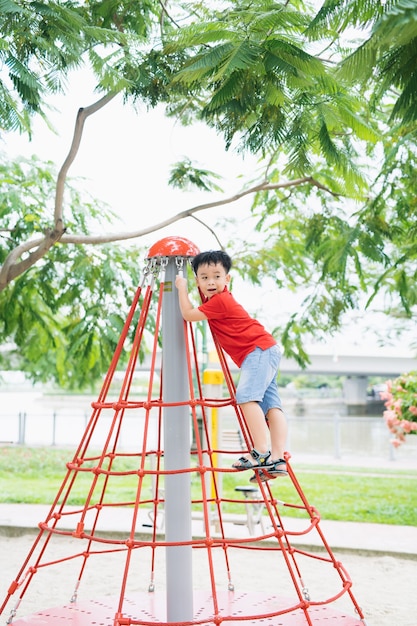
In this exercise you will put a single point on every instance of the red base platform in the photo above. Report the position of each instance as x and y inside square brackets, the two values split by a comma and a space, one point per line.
[149, 609]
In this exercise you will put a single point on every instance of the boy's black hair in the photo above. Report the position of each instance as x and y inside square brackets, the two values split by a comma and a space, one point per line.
[212, 257]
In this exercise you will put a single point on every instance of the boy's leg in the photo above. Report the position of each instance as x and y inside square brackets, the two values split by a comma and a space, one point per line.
[257, 371]
[278, 430]
[258, 428]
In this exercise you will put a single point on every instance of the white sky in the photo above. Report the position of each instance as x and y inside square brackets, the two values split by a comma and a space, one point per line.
[125, 158]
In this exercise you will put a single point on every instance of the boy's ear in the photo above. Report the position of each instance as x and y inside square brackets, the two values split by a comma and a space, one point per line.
[228, 278]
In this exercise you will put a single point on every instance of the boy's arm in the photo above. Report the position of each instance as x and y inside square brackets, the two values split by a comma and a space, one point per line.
[189, 313]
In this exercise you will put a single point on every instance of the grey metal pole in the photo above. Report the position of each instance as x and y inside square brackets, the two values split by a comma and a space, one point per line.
[177, 443]
[22, 429]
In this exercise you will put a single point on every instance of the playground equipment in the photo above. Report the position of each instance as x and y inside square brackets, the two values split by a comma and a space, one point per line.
[153, 472]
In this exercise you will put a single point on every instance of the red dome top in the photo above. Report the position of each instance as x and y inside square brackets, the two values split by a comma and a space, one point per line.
[173, 246]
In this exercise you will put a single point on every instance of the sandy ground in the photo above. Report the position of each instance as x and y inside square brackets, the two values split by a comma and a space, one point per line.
[383, 586]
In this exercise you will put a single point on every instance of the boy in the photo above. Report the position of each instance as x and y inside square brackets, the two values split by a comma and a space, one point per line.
[253, 349]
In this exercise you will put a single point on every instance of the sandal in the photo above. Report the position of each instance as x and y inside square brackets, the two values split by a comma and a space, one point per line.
[261, 460]
[273, 469]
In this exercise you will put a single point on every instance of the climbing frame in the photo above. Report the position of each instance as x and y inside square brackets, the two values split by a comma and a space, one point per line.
[119, 537]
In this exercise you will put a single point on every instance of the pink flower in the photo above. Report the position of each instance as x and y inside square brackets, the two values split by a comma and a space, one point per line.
[406, 426]
[396, 405]
[400, 399]
[391, 418]
[386, 395]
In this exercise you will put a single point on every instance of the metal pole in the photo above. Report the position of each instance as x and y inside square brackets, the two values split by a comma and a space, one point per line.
[177, 444]
[22, 429]
[54, 428]
[336, 435]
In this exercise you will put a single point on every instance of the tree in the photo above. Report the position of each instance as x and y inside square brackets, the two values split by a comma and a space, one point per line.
[388, 55]
[373, 256]
[64, 315]
[273, 79]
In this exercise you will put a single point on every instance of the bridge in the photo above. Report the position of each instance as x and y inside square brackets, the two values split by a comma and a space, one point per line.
[357, 367]
[389, 366]
[356, 364]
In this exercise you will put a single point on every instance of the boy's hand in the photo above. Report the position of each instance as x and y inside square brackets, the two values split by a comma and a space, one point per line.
[189, 313]
[180, 282]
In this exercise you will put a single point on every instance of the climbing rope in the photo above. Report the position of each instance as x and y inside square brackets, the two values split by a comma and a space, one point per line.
[112, 471]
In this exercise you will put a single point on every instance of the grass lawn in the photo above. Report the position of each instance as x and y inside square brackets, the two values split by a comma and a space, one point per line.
[34, 475]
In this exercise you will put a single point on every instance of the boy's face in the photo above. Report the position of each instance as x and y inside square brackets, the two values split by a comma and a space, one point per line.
[212, 279]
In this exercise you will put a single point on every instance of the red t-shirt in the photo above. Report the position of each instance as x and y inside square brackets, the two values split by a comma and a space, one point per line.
[236, 331]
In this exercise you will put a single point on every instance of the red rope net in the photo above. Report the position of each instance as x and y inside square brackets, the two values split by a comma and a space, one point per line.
[117, 534]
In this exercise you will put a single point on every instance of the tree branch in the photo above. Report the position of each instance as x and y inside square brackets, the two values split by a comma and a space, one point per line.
[11, 269]
[197, 219]
[263, 186]
[137, 234]
[82, 115]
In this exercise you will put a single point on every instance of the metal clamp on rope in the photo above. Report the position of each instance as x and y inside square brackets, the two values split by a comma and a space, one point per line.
[179, 262]
[145, 272]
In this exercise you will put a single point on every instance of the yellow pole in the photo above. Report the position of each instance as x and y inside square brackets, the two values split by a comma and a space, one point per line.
[213, 381]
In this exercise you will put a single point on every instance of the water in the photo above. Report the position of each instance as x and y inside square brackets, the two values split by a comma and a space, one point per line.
[317, 426]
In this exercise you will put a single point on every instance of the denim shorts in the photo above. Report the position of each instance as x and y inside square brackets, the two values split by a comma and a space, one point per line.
[258, 379]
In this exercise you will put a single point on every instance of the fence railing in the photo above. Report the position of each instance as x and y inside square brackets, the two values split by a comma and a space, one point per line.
[338, 436]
